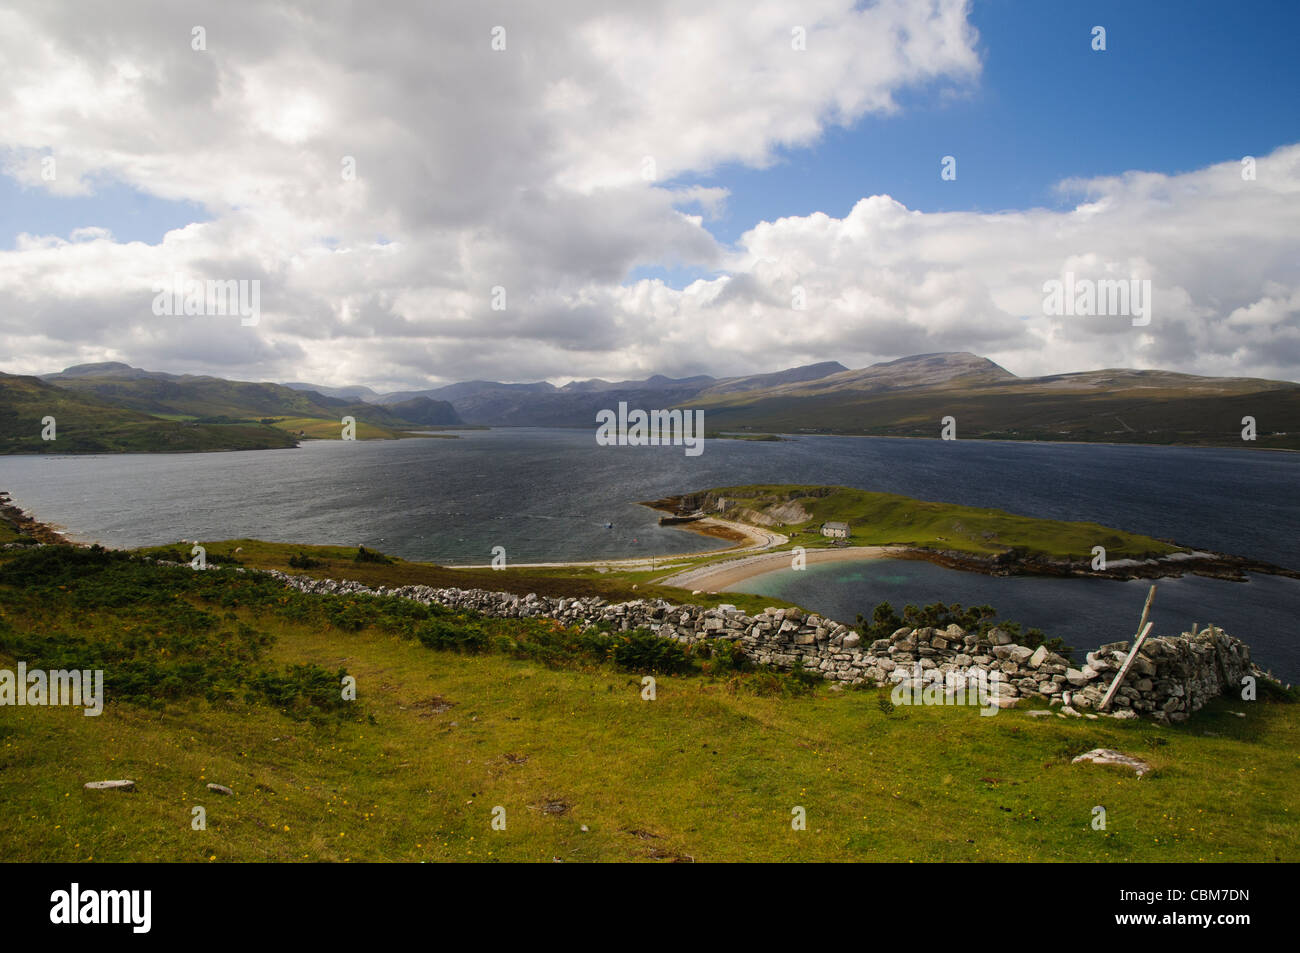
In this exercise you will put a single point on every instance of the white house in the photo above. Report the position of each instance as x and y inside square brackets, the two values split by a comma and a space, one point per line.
[836, 530]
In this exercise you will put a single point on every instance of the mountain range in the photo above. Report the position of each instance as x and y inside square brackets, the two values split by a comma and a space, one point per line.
[905, 397]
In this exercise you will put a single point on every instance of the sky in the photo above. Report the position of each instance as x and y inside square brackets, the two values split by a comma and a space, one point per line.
[517, 191]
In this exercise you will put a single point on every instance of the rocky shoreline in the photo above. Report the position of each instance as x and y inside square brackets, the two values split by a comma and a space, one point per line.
[1013, 563]
[28, 526]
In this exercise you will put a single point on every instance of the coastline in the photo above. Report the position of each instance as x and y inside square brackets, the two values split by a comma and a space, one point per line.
[727, 574]
[723, 575]
[744, 538]
[1011, 562]
[1077, 443]
[757, 550]
[28, 526]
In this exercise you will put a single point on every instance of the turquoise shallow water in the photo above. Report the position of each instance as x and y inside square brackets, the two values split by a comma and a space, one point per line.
[546, 495]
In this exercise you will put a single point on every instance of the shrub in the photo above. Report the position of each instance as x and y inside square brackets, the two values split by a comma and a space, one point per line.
[804, 678]
[640, 650]
[302, 689]
[57, 565]
[1273, 691]
[462, 637]
[370, 556]
[350, 616]
[767, 682]
[720, 657]
[884, 622]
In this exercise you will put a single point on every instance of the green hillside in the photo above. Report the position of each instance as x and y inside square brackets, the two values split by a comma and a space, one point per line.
[226, 678]
[317, 428]
[884, 518]
[1119, 406]
[206, 397]
[86, 424]
[115, 408]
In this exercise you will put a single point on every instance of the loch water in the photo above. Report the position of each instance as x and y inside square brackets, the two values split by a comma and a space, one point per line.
[548, 495]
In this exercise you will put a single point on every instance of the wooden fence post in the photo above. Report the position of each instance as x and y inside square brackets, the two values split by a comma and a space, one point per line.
[1144, 627]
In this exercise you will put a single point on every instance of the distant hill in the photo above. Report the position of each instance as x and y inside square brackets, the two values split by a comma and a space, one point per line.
[910, 396]
[108, 370]
[656, 383]
[907, 397]
[426, 411]
[542, 404]
[466, 390]
[354, 392]
[83, 423]
[795, 375]
[919, 371]
[206, 398]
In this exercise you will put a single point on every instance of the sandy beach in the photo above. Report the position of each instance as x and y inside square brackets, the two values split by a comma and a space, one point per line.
[732, 572]
[752, 556]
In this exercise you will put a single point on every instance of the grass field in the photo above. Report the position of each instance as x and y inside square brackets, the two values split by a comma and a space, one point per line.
[561, 740]
[332, 429]
[884, 518]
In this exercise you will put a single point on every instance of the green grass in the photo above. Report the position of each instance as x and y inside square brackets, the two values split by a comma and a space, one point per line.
[105, 415]
[339, 562]
[1018, 410]
[204, 397]
[710, 770]
[886, 518]
[86, 424]
[332, 429]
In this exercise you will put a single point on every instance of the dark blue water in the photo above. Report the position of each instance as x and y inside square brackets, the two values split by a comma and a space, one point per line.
[1083, 612]
[546, 495]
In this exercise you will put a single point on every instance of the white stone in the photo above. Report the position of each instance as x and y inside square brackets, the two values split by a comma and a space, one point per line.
[123, 785]
[1111, 756]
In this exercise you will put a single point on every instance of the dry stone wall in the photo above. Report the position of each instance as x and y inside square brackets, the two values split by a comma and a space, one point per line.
[1171, 677]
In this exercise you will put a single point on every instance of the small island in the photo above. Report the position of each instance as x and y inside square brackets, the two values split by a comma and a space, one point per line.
[839, 523]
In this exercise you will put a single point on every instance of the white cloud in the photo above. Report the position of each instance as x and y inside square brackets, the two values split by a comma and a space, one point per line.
[525, 169]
